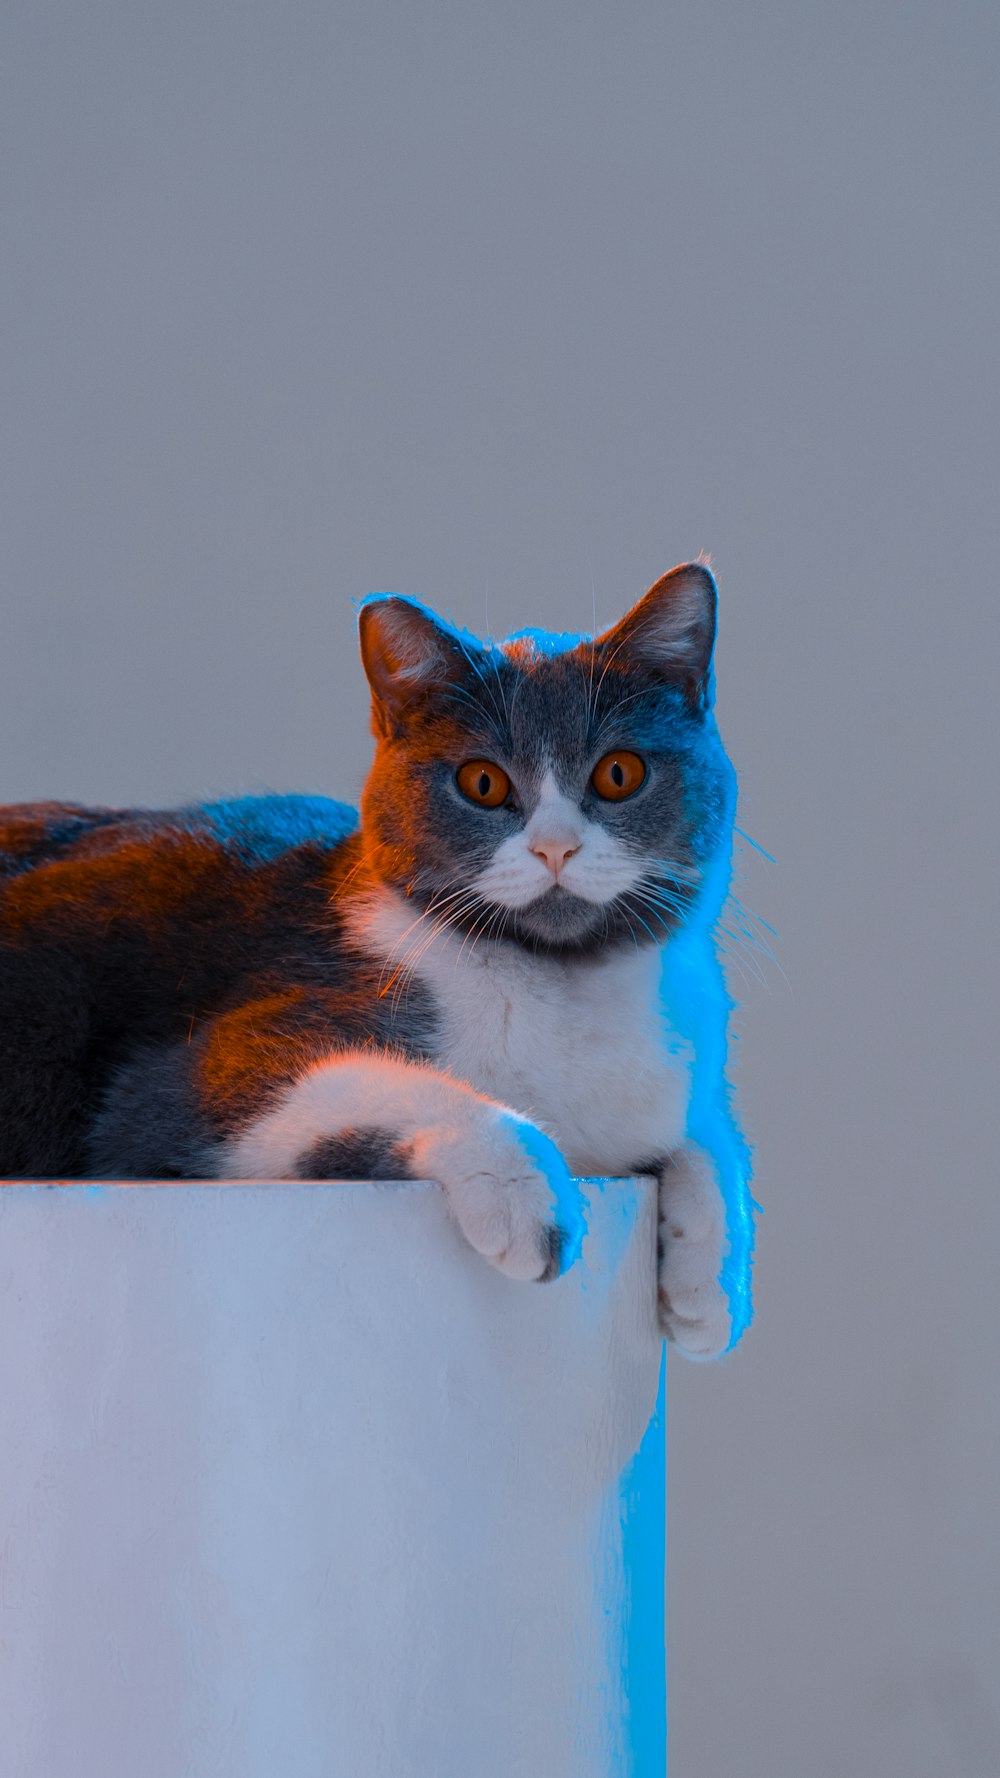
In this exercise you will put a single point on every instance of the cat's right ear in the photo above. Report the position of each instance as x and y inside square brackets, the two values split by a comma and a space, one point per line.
[405, 651]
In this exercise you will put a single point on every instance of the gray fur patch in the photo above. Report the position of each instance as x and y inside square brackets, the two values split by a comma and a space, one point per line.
[555, 1242]
[356, 1154]
[149, 1125]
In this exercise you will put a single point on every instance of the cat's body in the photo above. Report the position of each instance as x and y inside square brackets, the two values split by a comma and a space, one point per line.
[598, 1049]
[264, 990]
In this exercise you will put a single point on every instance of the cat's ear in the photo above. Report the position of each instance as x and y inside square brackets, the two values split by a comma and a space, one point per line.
[671, 631]
[406, 651]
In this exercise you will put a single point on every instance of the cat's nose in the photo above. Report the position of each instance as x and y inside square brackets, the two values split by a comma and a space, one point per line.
[554, 852]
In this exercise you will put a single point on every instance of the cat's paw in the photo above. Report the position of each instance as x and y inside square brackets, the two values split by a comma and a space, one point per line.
[511, 1192]
[693, 1307]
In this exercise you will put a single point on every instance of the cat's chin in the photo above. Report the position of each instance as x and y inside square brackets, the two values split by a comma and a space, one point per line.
[562, 919]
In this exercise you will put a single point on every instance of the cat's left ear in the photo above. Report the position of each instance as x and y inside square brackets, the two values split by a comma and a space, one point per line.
[671, 631]
[405, 651]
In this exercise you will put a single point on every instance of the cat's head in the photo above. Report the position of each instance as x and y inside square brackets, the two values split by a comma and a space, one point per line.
[561, 792]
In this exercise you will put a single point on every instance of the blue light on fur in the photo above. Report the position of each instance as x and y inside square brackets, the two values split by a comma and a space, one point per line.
[698, 1005]
[570, 1212]
[464, 638]
[549, 642]
[261, 828]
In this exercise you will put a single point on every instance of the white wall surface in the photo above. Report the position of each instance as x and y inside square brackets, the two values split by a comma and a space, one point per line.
[293, 1483]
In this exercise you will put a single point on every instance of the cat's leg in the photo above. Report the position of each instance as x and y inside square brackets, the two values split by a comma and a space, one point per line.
[695, 1311]
[366, 1114]
[267, 1092]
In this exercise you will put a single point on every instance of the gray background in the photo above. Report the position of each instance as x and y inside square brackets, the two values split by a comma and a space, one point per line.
[523, 305]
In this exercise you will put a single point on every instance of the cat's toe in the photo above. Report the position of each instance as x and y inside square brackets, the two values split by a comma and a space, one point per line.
[557, 1240]
[513, 1197]
[697, 1321]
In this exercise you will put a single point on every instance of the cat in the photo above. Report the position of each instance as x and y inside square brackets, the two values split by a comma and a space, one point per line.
[503, 976]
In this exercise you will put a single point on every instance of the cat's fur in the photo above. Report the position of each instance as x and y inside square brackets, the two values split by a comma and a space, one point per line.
[494, 998]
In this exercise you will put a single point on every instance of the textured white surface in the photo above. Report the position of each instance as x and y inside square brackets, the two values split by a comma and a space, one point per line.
[291, 1482]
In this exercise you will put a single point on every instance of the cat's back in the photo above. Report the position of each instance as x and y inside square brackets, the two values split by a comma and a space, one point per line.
[57, 854]
[133, 903]
[33, 834]
[122, 928]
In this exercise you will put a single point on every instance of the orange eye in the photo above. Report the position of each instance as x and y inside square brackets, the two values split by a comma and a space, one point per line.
[617, 776]
[483, 783]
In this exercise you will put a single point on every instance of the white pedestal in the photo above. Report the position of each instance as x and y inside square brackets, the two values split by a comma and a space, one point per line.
[294, 1485]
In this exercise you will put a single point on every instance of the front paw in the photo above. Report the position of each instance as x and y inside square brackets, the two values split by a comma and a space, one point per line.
[693, 1307]
[512, 1193]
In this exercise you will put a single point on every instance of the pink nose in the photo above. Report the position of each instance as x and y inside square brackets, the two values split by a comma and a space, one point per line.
[554, 852]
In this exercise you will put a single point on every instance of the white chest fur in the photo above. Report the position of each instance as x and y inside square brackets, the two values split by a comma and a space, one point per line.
[584, 1047]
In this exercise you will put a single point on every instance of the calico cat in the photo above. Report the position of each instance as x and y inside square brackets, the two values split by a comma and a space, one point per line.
[503, 976]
